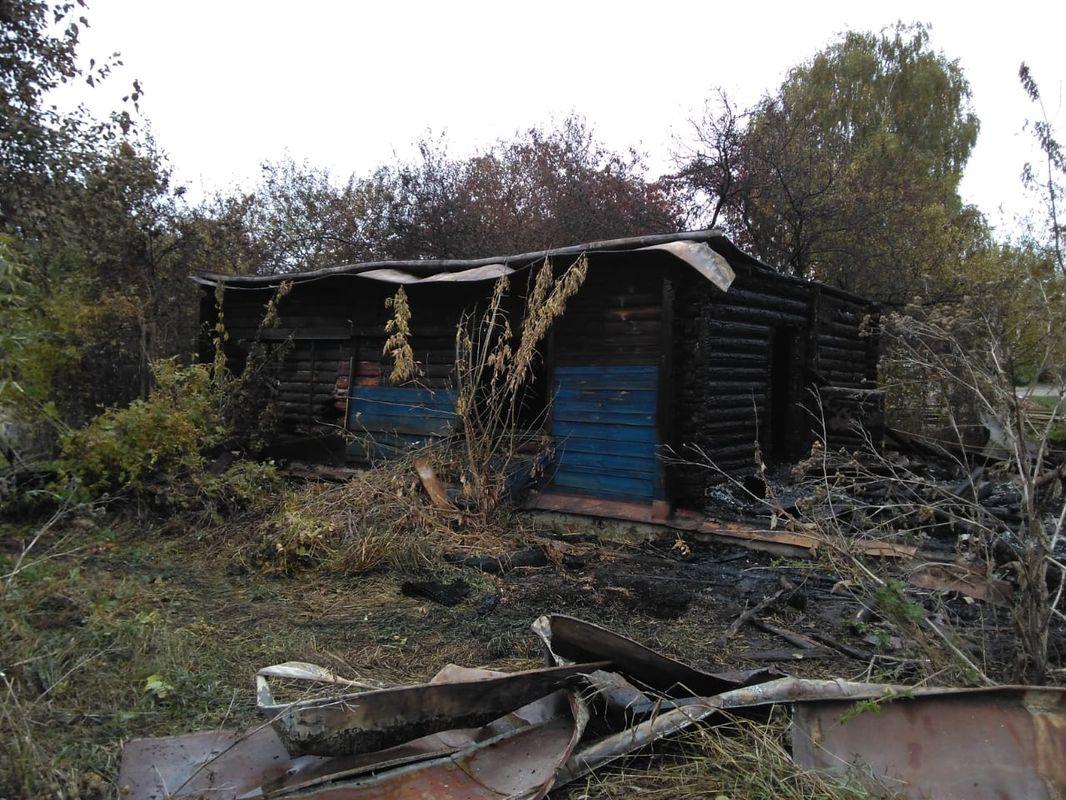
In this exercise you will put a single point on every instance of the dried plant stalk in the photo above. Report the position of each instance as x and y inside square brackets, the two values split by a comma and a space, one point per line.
[398, 345]
[492, 378]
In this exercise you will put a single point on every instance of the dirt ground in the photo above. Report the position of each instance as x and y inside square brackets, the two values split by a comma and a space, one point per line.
[141, 631]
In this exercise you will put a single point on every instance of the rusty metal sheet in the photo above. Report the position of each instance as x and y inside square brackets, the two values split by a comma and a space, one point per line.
[993, 744]
[953, 744]
[569, 639]
[330, 770]
[524, 764]
[691, 711]
[487, 773]
[222, 765]
[368, 721]
[225, 765]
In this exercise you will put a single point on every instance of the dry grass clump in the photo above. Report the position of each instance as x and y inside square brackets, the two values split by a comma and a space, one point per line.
[381, 518]
[739, 759]
[378, 518]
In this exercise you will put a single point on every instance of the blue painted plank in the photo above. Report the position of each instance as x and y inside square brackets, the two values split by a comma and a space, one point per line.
[606, 461]
[600, 386]
[582, 444]
[602, 493]
[625, 433]
[604, 424]
[575, 390]
[420, 425]
[388, 420]
[614, 471]
[605, 485]
[634, 400]
[570, 414]
[634, 385]
[406, 410]
[397, 410]
[413, 425]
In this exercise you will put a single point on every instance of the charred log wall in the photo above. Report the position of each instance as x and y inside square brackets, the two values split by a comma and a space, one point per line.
[313, 330]
[844, 368]
[335, 328]
[616, 317]
[653, 355]
[745, 363]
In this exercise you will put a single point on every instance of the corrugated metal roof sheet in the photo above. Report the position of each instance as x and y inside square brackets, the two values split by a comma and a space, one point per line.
[706, 251]
[710, 252]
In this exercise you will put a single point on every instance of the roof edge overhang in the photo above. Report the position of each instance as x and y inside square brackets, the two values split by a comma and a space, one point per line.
[433, 267]
[713, 260]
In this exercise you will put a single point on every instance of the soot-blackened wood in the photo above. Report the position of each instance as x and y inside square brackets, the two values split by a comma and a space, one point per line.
[667, 391]
[722, 360]
[615, 319]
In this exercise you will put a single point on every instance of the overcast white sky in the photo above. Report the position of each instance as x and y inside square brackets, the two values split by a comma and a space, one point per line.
[346, 84]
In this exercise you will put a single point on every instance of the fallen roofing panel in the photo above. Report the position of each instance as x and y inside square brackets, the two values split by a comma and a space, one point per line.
[984, 744]
[569, 639]
[225, 765]
[524, 764]
[222, 765]
[368, 721]
[916, 742]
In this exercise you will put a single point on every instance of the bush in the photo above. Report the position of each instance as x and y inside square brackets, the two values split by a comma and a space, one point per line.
[155, 449]
[244, 485]
[151, 443]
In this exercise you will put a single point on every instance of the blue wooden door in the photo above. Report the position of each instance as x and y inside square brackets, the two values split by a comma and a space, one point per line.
[605, 432]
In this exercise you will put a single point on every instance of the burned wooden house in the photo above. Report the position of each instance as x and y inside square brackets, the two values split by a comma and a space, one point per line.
[673, 342]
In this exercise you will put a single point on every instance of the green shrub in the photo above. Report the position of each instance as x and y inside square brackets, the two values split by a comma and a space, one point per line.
[161, 450]
[152, 445]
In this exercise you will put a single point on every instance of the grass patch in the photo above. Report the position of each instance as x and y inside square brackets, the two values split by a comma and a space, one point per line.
[738, 759]
[1048, 403]
[114, 630]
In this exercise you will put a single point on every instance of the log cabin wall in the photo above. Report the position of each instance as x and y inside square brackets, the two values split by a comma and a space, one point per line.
[334, 333]
[315, 319]
[845, 368]
[747, 362]
[649, 357]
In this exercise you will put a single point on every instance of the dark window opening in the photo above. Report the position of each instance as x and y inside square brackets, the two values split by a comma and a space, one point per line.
[782, 399]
